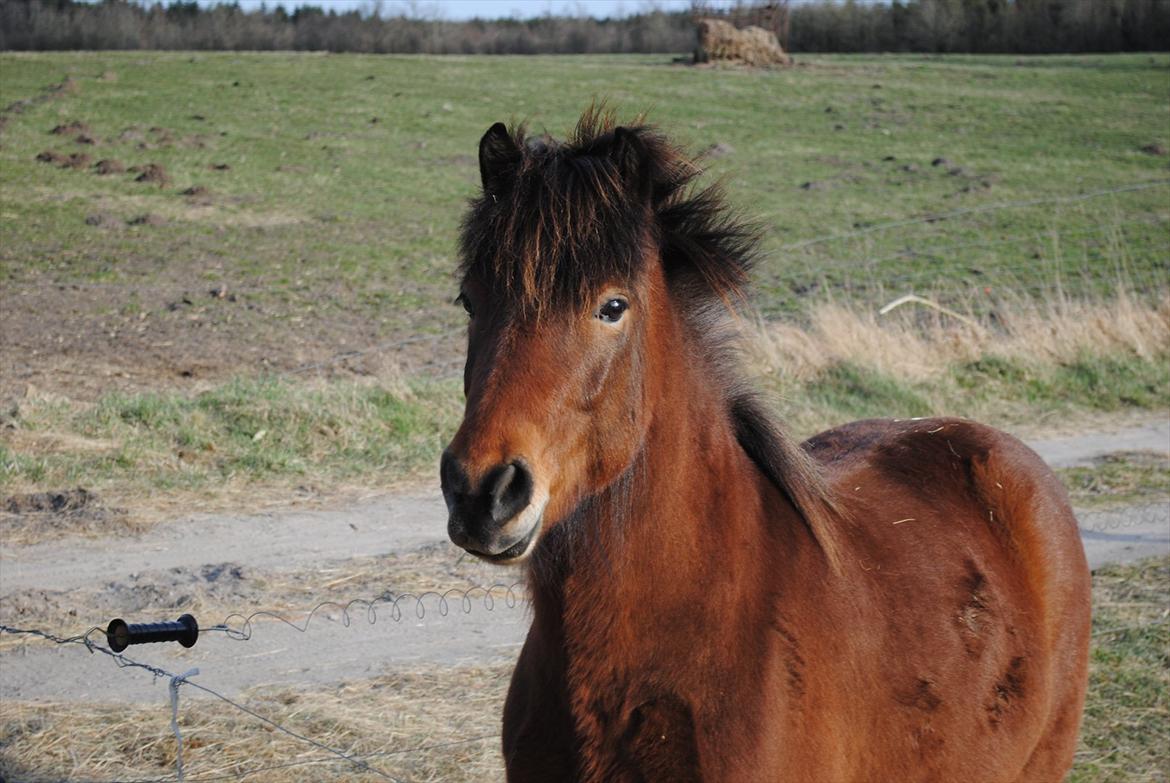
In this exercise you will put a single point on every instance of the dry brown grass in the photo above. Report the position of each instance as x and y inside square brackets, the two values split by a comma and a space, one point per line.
[1034, 368]
[1118, 479]
[721, 42]
[405, 723]
[1125, 735]
[429, 724]
[919, 345]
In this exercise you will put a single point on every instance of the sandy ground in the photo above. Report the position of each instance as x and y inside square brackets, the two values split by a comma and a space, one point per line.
[209, 552]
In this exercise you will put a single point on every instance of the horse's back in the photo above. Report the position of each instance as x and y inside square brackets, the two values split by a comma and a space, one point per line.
[955, 465]
[969, 591]
[951, 470]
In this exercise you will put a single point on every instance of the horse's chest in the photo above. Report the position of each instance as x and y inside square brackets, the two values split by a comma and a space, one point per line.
[679, 711]
[636, 734]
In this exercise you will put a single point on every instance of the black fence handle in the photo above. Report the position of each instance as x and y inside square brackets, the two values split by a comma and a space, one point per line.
[121, 635]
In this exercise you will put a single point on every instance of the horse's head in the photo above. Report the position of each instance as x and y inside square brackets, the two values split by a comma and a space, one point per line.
[581, 265]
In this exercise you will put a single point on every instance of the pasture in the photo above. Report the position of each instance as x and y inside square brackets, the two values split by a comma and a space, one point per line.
[256, 311]
[296, 239]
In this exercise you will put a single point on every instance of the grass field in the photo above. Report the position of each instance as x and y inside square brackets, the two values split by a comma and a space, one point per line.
[348, 174]
[276, 309]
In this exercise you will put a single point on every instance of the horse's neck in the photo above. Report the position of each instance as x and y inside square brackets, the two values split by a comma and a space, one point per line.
[691, 524]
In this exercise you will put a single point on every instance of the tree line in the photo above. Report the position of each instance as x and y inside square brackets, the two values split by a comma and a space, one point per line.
[933, 26]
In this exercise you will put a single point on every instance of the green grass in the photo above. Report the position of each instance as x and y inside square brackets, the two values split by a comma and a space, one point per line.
[857, 392]
[1125, 736]
[1092, 382]
[281, 433]
[244, 432]
[1120, 478]
[329, 224]
[323, 206]
[1012, 394]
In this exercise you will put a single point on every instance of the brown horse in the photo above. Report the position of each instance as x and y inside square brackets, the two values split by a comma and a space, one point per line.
[894, 601]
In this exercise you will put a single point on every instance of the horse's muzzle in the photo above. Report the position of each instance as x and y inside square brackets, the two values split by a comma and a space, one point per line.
[495, 519]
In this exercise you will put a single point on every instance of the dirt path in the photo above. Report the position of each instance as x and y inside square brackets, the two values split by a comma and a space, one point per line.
[1119, 535]
[330, 652]
[1081, 449]
[272, 540]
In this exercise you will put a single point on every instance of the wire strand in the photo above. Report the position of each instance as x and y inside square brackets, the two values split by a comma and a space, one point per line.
[126, 662]
[940, 216]
[241, 627]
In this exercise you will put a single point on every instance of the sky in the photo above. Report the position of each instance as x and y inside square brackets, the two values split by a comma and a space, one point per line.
[488, 9]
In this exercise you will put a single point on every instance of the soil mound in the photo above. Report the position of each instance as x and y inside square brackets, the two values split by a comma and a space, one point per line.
[102, 220]
[72, 128]
[39, 516]
[147, 593]
[78, 160]
[69, 86]
[57, 502]
[153, 174]
[109, 166]
[130, 135]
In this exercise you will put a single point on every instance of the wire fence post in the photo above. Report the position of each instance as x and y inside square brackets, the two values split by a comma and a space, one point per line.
[176, 681]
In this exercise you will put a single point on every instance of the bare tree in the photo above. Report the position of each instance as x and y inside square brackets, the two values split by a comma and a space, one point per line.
[414, 26]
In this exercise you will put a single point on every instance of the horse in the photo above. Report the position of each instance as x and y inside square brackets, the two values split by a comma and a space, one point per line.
[890, 601]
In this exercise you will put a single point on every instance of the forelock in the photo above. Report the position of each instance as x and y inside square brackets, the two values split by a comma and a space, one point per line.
[562, 220]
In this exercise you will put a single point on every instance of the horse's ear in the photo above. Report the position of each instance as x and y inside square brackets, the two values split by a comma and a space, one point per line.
[498, 156]
[629, 153]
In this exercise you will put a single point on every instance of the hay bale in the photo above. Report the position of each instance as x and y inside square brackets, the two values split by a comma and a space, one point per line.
[720, 41]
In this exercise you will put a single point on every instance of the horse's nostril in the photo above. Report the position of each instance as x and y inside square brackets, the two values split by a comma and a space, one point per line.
[458, 536]
[452, 476]
[511, 492]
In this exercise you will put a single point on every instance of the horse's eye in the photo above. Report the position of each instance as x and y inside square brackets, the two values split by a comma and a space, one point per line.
[611, 312]
[463, 300]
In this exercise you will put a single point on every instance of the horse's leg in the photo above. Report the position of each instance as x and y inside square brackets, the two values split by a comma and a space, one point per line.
[1053, 755]
[538, 736]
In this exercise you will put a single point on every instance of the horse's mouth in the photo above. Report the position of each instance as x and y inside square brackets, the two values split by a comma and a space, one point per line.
[518, 551]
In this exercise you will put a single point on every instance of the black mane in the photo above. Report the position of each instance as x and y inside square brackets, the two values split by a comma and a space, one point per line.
[558, 220]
